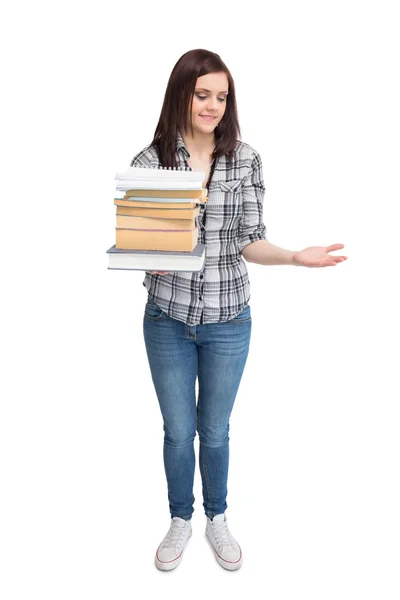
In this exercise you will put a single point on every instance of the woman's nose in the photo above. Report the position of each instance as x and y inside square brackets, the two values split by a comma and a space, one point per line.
[212, 103]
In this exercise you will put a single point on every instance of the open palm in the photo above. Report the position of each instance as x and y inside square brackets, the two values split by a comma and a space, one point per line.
[317, 256]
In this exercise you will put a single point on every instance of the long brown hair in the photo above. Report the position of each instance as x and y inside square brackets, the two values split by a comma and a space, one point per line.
[178, 99]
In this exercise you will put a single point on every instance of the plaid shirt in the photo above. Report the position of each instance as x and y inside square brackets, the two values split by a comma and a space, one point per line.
[231, 219]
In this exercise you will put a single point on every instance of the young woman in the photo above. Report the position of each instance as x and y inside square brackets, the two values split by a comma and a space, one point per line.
[197, 326]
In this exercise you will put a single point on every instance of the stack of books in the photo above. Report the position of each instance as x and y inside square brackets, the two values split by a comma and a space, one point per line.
[156, 220]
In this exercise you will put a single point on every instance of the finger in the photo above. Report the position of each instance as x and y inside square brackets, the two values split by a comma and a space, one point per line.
[334, 247]
[320, 263]
[337, 258]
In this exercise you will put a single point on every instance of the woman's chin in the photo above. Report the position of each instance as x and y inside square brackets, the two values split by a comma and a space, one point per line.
[204, 127]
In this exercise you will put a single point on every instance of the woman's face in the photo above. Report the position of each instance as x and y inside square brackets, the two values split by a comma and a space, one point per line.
[209, 100]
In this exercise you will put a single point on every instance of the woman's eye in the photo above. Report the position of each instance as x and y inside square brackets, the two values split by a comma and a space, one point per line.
[203, 98]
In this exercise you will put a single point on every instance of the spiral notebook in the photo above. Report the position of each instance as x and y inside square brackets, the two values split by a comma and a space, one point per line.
[157, 179]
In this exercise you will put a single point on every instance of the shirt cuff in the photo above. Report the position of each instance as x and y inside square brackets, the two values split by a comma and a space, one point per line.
[252, 237]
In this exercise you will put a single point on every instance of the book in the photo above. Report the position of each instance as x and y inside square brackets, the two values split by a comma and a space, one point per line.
[126, 184]
[161, 174]
[169, 205]
[131, 222]
[160, 200]
[187, 194]
[127, 208]
[143, 178]
[152, 260]
[156, 239]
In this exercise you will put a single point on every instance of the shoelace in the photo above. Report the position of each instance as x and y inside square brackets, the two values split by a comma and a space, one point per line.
[174, 536]
[223, 536]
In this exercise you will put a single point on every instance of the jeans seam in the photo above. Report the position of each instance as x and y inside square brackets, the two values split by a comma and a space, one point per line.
[206, 478]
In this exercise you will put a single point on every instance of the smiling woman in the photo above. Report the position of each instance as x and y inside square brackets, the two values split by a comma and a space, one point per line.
[198, 325]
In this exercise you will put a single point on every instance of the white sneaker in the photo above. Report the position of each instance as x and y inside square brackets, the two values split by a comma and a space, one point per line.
[227, 551]
[169, 552]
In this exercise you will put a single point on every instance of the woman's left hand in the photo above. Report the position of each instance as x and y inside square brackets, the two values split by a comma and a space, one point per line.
[317, 256]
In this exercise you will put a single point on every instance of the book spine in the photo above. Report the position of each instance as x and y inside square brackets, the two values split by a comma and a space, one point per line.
[157, 230]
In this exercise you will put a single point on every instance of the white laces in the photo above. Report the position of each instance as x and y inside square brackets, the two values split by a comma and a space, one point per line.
[174, 536]
[222, 534]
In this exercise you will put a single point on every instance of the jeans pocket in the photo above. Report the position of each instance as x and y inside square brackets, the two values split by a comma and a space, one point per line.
[153, 312]
[243, 316]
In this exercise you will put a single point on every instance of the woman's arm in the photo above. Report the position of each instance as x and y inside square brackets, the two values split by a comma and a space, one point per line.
[263, 252]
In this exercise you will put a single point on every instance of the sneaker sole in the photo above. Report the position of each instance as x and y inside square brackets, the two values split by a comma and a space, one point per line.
[229, 566]
[172, 564]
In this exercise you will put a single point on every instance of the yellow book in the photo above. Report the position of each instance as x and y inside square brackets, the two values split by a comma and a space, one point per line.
[149, 204]
[168, 193]
[163, 213]
[131, 222]
[136, 239]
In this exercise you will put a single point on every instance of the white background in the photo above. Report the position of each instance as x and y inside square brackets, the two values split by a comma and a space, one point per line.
[313, 491]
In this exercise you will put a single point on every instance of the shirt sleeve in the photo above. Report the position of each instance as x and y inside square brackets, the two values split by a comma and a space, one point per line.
[251, 227]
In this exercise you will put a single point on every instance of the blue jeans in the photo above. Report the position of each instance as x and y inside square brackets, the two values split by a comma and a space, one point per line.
[216, 353]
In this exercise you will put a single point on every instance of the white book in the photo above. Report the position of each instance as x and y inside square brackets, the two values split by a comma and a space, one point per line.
[141, 184]
[150, 174]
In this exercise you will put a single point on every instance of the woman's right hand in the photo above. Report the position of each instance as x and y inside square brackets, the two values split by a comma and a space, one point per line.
[158, 272]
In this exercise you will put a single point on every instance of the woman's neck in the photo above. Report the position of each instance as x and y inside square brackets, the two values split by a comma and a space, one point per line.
[200, 145]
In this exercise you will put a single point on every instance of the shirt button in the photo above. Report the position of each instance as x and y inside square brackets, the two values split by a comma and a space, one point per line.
[200, 297]
[201, 276]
